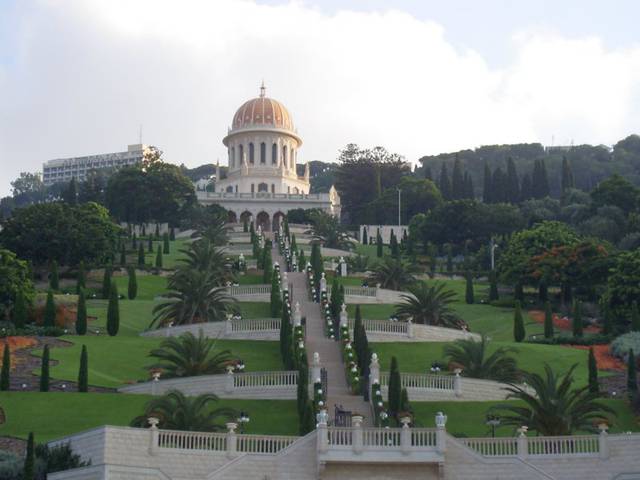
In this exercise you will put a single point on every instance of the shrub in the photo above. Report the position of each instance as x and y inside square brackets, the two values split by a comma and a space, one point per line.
[106, 281]
[113, 311]
[54, 278]
[49, 311]
[159, 259]
[518, 324]
[132, 287]
[165, 243]
[629, 341]
[44, 370]
[593, 372]
[83, 372]
[10, 466]
[29, 472]
[19, 314]
[141, 256]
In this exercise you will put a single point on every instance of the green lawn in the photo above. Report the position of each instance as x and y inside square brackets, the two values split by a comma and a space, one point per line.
[371, 251]
[467, 418]
[255, 309]
[149, 286]
[250, 279]
[114, 361]
[53, 415]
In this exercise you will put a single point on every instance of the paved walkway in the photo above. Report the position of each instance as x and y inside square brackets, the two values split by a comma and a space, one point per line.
[330, 355]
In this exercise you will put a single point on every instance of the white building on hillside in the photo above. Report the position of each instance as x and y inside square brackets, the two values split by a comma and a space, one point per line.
[262, 182]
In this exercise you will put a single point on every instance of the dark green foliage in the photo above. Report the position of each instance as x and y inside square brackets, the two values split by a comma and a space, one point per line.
[123, 255]
[513, 183]
[308, 423]
[607, 320]
[267, 263]
[132, 286]
[486, 186]
[548, 320]
[567, 175]
[576, 320]
[83, 371]
[395, 387]
[143, 233]
[44, 370]
[302, 261]
[444, 184]
[365, 236]
[393, 242]
[468, 295]
[50, 311]
[19, 313]
[449, 259]
[172, 234]
[543, 292]
[405, 405]
[245, 226]
[635, 317]
[379, 246]
[593, 372]
[156, 234]
[159, 259]
[59, 458]
[632, 381]
[29, 472]
[106, 281]
[493, 287]
[518, 292]
[150, 244]
[141, 258]
[165, 243]
[81, 281]
[276, 296]
[457, 181]
[54, 278]
[302, 392]
[70, 194]
[540, 181]
[113, 311]
[134, 242]
[81, 314]
[518, 324]
[5, 382]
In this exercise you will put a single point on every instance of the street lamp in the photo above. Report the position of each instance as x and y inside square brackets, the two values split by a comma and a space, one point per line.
[493, 421]
[242, 420]
[493, 247]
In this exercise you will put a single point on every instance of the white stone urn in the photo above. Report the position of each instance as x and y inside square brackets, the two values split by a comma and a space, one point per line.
[356, 420]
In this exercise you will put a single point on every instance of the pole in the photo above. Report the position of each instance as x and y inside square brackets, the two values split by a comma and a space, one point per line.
[399, 200]
[493, 249]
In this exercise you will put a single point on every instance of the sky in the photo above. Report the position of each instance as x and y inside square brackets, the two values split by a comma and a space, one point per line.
[80, 77]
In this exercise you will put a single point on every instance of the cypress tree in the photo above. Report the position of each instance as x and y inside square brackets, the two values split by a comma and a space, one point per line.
[513, 183]
[156, 234]
[468, 186]
[487, 193]
[500, 186]
[19, 313]
[150, 244]
[365, 236]
[469, 296]
[81, 314]
[607, 327]
[576, 323]
[544, 179]
[593, 372]
[132, 286]
[70, 194]
[50, 311]
[548, 320]
[276, 296]
[294, 243]
[449, 259]
[308, 419]
[493, 287]
[245, 226]
[518, 324]
[632, 381]
[302, 396]
[5, 380]
[159, 259]
[379, 247]
[543, 292]
[635, 317]
[54, 279]
[44, 370]
[83, 371]
[165, 243]
[444, 184]
[106, 281]
[405, 406]
[395, 387]
[567, 175]
[267, 263]
[141, 258]
[302, 261]
[113, 311]
[29, 470]
[394, 245]
[81, 281]
[144, 230]
[123, 255]
[172, 234]
[526, 188]
[134, 241]
[457, 181]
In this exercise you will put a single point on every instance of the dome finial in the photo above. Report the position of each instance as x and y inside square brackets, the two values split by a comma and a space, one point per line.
[262, 89]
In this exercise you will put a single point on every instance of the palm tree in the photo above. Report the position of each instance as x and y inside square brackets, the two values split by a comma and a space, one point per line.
[554, 408]
[175, 411]
[393, 273]
[473, 357]
[212, 226]
[328, 230]
[194, 297]
[358, 263]
[429, 304]
[204, 255]
[188, 356]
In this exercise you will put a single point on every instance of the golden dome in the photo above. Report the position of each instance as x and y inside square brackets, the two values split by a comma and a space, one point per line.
[262, 112]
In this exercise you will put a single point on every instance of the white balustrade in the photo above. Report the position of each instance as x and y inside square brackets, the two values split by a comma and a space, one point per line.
[255, 325]
[569, 445]
[263, 444]
[240, 290]
[265, 379]
[421, 380]
[492, 447]
[381, 438]
[355, 291]
[340, 436]
[192, 440]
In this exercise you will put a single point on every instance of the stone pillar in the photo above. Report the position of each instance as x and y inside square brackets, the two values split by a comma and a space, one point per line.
[441, 432]
[154, 383]
[374, 369]
[405, 435]
[522, 443]
[343, 267]
[356, 421]
[457, 383]
[228, 384]
[228, 324]
[323, 434]
[297, 315]
[316, 368]
[232, 439]
[603, 441]
[410, 332]
[323, 283]
[344, 319]
[153, 435]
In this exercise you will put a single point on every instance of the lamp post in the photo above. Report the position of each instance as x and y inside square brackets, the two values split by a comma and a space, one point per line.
[493, 421]
[493, 247]
[399, 203]
[242, 420]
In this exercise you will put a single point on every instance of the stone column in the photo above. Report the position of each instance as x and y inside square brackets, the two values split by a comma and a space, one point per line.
[441, 432]
[374, 369]
[603, 441]
[410, 332]
[522, 443]
[232, 439]
[229, 324]
[323, 283]
[297, 315]
[344, 319]
[316, 368]
[228, 384]
[405, 435]
[356, 421]
[323, 434]
[154, 434]
[457, 383]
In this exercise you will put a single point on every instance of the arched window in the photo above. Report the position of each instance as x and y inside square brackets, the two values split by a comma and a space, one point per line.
[253, 188]
[295, 190]
[240, 154]
[252, 153]
[284, 156]
[263, 153]
[230, 189]
[263, 187]
[274, 153]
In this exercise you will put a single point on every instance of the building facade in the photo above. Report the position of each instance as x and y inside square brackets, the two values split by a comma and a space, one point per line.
[64, 169]
[262, 182]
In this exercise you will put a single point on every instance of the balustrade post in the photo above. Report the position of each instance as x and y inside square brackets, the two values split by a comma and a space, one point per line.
[153, 435]
[603, 441]
[229, 324]
[323, 283]
[297, 315]
[344, 319]
[232, 439]
[457, 383]
[323, 434]
[522, 442]
[356, 421]
[405, 435]
[316, 368]
[228, 384]
[441, 432]
[409, 328]
[378, 291]
[374, 369]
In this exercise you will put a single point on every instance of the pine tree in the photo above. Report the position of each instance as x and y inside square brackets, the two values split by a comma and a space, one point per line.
[5, 380]
[132, 286]
[159, 259]
[83, 371]
[576, 323]
[150, 244]
[81, 281]
[379, 247]
[468, 186]
[593, 372]
[106, 281]
[19, 313]
[457, 181]
[365, 236]
[500, 186]
[548, 320]
[567, 175]
[165, 243]
[635, 317]
[444, 184]
[44, 370]
[141, 257]
[518, 324]
[123, 255]
[54, 279]
[526, 188]
[632, 381]
[81, 314]
[29, 470]
[493, 287]
[469, 296]
[487, 192]
[513, 183]
[50, 311]
[113, 311]
[395, 387]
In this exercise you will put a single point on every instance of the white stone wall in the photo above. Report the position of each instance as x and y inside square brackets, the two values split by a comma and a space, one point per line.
[385, 232]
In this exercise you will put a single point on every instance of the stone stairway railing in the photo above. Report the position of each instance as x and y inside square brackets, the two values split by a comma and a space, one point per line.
[355, 291]
[253, 325]
[243, 290]
[237, 328]
[386, 327]
[420, 380]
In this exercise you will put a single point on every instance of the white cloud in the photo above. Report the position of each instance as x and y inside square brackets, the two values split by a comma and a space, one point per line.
[88, 72]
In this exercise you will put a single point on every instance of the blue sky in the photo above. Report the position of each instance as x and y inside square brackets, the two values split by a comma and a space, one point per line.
[419, 77]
